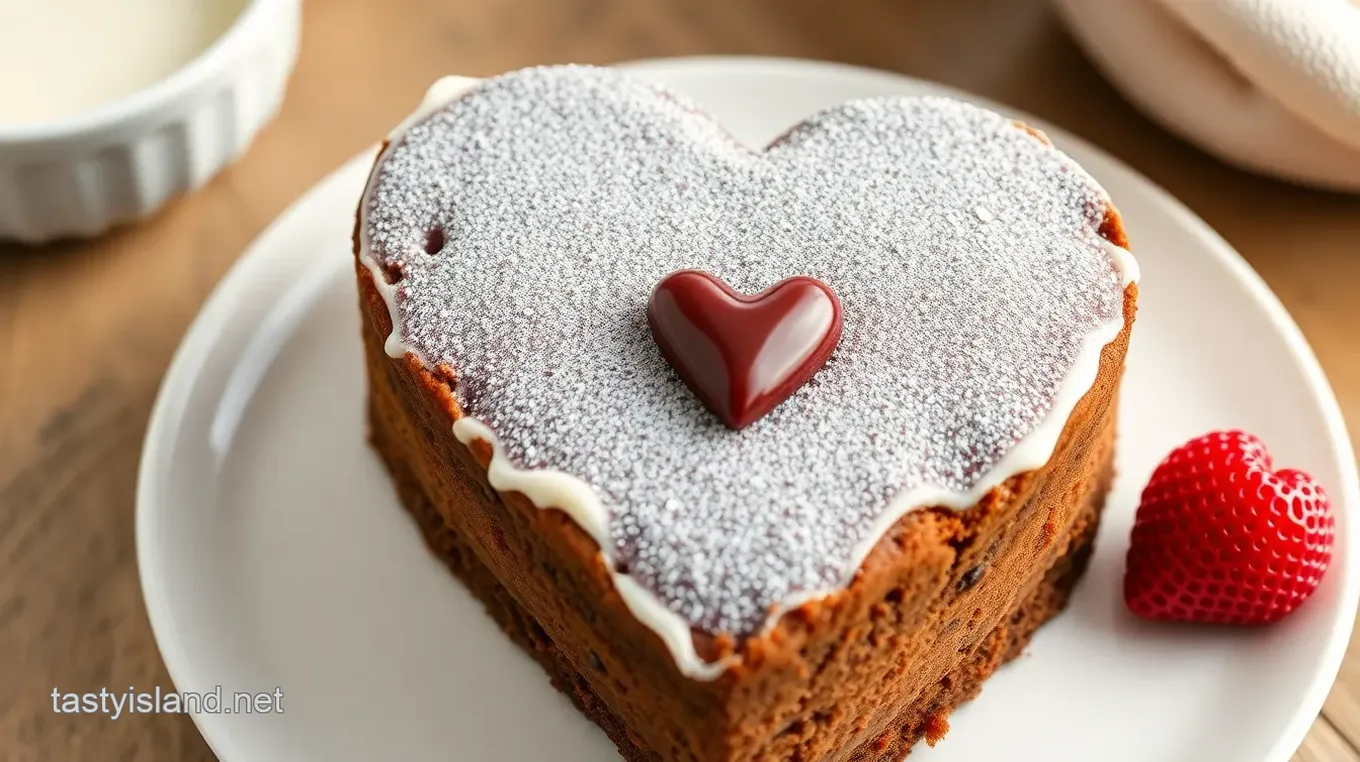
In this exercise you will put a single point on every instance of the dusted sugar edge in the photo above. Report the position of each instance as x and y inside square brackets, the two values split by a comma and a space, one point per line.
[555, 489]
[443, 92]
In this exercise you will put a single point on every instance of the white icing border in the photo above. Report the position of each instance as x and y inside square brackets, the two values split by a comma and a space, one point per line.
[547, 488]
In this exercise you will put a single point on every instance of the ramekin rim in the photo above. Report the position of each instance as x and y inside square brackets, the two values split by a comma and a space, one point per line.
[154, 97]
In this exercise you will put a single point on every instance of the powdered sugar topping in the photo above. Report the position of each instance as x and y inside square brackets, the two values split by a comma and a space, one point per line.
[965, 253]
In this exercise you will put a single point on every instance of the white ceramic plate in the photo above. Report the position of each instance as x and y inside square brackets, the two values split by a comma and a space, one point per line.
[274, 553]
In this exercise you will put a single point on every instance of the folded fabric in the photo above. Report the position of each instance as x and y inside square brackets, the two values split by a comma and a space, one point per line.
[1271, 86]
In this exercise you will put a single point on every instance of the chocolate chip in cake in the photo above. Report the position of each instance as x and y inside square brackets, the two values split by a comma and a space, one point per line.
[595, 662]
[392, 272]
[970, 578]
[434, 241]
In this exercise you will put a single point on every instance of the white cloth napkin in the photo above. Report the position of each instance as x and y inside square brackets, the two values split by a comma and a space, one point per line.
[1271, 86]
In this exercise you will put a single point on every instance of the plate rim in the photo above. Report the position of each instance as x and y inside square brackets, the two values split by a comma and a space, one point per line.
[216, 310]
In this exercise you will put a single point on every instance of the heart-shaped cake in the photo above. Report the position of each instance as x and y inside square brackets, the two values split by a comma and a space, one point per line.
[954, 447]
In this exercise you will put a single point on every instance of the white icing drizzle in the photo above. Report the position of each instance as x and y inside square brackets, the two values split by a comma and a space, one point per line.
[1124, 261]
[550, 488]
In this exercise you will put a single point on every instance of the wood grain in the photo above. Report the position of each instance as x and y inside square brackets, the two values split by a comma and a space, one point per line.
[1324, 744]
[87, 329]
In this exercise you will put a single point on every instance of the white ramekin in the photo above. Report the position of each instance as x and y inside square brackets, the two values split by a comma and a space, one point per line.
[78, 176]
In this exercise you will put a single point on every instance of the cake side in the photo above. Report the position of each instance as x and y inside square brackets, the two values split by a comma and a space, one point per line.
[925, 718]
[867, 670]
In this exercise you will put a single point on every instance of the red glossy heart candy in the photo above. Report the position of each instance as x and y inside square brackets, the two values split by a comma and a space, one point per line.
[743, 355]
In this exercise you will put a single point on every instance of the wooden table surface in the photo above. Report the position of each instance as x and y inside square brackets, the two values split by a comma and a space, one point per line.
[87, 329]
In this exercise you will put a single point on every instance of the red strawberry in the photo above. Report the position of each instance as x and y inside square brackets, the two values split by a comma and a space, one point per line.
[1223, 539]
